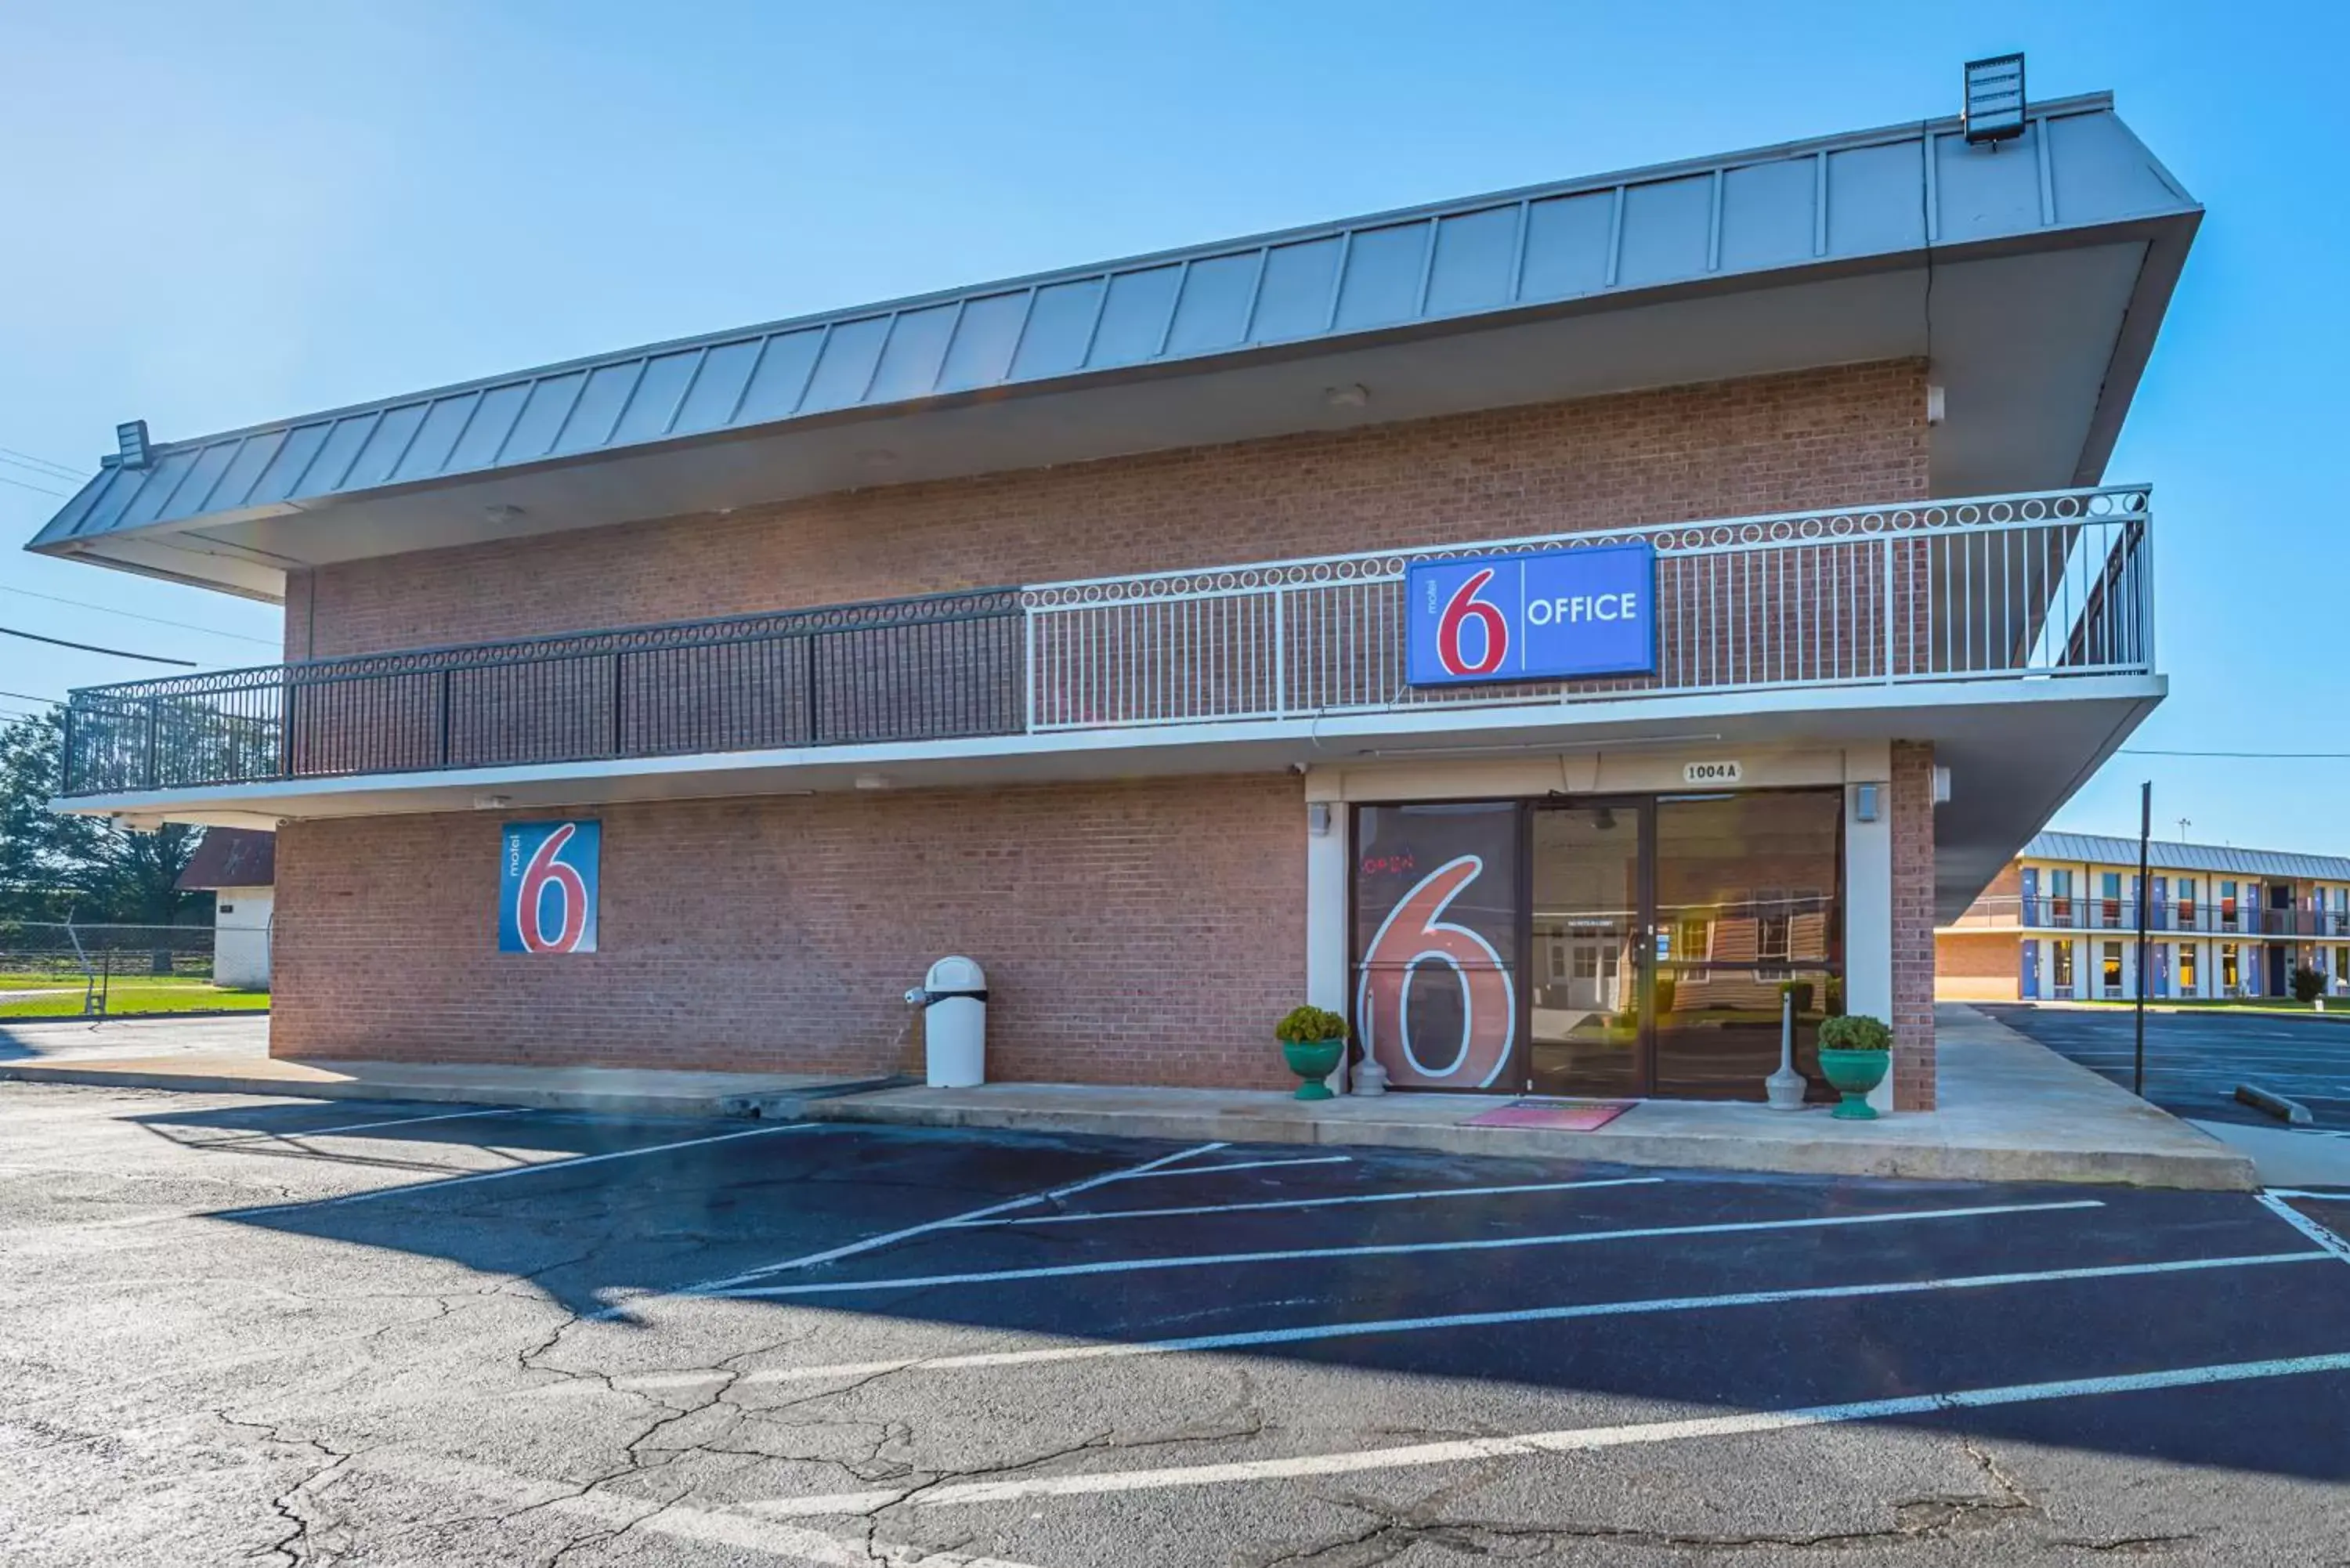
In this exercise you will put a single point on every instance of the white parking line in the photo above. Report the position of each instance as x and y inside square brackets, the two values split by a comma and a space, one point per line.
[261, 1135]
[849, 1250]
[1571, 1440]
[1258, 1338]
[1233, 1165]
[534, 1169]
[2275, 1204]
[1220, 1260]
[1319, 1202]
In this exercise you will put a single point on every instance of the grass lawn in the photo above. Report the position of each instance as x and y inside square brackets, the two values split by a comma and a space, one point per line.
[43, 995]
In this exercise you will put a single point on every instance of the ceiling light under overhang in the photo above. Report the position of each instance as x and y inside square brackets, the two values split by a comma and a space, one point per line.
[1354, 394]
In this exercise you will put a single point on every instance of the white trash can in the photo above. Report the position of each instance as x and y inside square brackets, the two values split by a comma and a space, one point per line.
[954, 1024]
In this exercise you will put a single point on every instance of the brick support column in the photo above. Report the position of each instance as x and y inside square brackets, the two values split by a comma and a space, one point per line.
[1912, 808]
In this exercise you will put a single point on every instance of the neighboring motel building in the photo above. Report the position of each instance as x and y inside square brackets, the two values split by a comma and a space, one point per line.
[2060, 923]
[1462, 616]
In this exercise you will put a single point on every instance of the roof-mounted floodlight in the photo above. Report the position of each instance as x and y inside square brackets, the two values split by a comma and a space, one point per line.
[133, 441]
[1994, 100]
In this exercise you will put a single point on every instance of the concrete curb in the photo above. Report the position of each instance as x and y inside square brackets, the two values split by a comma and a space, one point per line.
[2291, 1112]
[610, 1102]
[1833, 1154]
[131, 1017]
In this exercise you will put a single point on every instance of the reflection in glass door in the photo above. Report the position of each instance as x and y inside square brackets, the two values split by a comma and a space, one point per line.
[1585, 1034]
[1746, 915]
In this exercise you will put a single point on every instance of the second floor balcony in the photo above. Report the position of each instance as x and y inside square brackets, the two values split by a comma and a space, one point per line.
[2163, 916]
[2022, 593]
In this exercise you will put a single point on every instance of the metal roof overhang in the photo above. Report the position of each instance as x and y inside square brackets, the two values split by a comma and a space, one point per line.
[2032, 276]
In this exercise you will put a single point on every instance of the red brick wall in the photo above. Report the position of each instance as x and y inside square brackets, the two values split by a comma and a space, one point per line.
[1138, 933]
[1982, 966]
[1143, 932]
[1912, 805]
[1819, 438]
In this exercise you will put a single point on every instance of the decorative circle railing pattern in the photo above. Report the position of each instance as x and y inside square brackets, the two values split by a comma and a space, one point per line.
[1671, 539]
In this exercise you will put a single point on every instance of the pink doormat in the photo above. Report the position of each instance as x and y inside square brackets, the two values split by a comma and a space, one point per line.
[1561, 1116]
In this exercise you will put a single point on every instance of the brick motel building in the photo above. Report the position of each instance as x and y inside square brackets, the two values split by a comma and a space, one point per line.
[1548, 626]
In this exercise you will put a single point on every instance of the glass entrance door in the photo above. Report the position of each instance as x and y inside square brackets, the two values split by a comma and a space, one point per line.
[1589, 938]
[1613, 948]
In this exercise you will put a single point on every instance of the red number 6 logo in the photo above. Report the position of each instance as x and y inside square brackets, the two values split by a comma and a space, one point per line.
[1415, 932]
[544, 870]
[1462, 608]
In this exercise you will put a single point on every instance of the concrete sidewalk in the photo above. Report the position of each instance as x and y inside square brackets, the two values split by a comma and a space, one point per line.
[2011, 1110]
[239, 1063]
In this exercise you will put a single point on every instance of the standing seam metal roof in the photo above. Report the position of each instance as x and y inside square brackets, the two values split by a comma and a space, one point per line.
[2099, 849]
[1867, 193]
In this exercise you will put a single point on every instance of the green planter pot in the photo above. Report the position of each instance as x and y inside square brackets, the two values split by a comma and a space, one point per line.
[1855, 1073]
[1313, 1060]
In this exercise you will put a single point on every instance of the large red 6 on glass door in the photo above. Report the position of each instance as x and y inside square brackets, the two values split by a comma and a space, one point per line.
[1436, 935]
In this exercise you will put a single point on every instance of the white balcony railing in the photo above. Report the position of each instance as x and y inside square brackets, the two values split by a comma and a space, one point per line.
[2054, 584]
[2005, 588]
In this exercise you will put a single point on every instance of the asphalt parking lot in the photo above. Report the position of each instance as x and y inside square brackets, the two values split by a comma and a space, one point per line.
[2195, 1059]
[234, 1330]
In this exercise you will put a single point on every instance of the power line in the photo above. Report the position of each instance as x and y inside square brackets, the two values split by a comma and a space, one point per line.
[2265, 756]
[133, 614]
[29, 697]
[62, 470]
[36, 472]
[92, 648]
[37, 489]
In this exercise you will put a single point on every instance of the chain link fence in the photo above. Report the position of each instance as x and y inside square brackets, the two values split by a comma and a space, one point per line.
[49, 968]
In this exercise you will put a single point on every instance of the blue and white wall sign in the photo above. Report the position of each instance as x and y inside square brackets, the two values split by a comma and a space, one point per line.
[547, 875]
[1560, 614]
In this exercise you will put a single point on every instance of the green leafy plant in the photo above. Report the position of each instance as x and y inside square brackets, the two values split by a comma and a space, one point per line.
[1801, 989]
[1854, 1032]
[1308, 1025]
[2308, 985]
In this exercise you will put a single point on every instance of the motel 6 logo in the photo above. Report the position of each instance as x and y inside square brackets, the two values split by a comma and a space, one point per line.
[1557, 614]
[1472, 636]
[548, 875]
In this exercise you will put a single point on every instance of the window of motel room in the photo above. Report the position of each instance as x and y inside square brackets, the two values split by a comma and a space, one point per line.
[2109, 909]
[2109, 972]
[2061, 967]
[2187, 968]
[2185, 903]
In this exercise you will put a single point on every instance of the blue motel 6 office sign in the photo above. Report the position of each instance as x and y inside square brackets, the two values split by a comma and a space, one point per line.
[1558, 615]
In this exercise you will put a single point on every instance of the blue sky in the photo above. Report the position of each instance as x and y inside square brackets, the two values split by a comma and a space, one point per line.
[225, 214]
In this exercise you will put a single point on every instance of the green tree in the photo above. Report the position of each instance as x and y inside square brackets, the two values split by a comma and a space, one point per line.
[54, 865]
[47, 860]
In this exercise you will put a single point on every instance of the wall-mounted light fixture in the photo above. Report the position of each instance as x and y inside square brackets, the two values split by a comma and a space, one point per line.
[1864, 803]
[1941, 785]
[1317, 818]
[131, 444]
